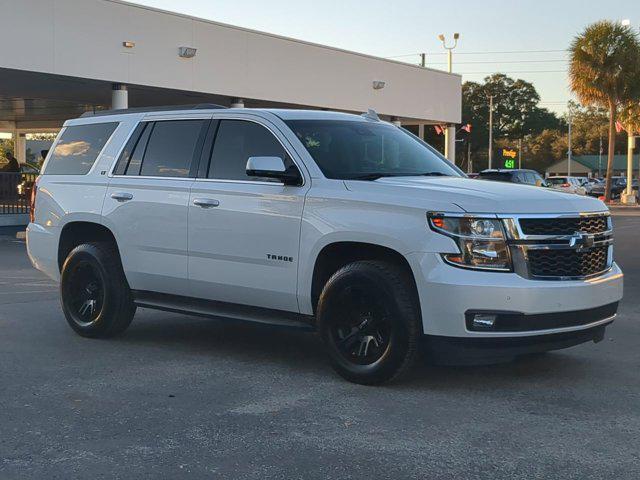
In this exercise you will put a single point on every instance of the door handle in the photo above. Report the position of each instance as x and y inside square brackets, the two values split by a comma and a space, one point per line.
[205, 202]
[122, 196]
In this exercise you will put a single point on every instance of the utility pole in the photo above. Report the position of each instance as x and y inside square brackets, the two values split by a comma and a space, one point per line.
[569, 149]
[520, 153]
[469, 167]
[490, 131]
[423, 60]
[450, 131]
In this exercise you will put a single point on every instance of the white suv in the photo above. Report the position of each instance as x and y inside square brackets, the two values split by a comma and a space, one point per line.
[336, 222]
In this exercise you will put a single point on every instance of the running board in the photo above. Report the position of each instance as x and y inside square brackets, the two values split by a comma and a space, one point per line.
[222, 310]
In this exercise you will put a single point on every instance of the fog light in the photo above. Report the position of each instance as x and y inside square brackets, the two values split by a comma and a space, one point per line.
[483, 320]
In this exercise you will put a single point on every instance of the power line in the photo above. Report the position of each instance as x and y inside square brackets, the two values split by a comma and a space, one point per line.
[504, 52]
[501, 61]
[511, 72]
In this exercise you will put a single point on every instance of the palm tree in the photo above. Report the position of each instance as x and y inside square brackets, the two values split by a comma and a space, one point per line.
[604, 71]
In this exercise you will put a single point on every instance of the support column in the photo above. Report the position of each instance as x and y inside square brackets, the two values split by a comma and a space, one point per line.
[396, 121]
[628, 197]
[450, 143]
[421, 130]
[237, 103]
[119, 97]
[20, 146]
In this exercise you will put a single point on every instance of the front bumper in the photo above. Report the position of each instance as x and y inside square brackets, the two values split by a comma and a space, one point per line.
[447, 294]
[478, 351]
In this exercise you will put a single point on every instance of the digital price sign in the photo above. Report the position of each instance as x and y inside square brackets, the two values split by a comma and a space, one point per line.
[508, 156]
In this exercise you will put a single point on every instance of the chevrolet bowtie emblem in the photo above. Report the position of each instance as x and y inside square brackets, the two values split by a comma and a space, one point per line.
[582, 241]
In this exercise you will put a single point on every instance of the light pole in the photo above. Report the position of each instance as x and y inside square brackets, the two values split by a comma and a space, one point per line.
[450, 131]
[490, 131]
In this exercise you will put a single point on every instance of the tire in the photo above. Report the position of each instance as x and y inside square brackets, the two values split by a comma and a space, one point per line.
[369, 319]
[95, 296]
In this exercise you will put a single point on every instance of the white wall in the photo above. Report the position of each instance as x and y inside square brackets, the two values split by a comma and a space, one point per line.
[83, 38]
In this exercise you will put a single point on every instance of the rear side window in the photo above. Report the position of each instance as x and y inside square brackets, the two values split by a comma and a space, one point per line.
[237, 141]
[171, 148]
[78, 148]
[162, 149]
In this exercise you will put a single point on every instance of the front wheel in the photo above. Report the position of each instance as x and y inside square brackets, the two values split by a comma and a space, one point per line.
[95, 296]
[369, 320]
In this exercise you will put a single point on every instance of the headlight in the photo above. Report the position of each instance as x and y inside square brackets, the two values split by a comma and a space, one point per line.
[481, 241]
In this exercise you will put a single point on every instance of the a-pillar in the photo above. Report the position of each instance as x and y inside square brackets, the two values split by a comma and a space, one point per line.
[119, 97]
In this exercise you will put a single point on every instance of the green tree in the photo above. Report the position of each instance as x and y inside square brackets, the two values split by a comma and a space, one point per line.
[604, 71]
[516, 112]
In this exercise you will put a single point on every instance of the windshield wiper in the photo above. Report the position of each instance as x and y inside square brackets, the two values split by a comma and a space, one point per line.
[376, 176]
[373, 176]
[432, 174]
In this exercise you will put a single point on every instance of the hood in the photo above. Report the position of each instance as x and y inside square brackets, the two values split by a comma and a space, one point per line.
[478, 196]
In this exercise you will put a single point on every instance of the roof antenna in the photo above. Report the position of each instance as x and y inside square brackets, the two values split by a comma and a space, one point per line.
[371, 115]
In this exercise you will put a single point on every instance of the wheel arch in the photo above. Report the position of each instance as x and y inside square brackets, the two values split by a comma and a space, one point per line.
[77, 232]
[335, 255]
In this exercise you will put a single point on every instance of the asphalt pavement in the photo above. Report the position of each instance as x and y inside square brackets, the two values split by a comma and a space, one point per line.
[184, 397]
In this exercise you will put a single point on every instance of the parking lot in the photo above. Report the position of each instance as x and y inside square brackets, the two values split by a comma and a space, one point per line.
[178, 397]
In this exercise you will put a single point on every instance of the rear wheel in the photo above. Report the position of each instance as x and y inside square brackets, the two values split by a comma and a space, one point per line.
[95, 296]
[369, 320]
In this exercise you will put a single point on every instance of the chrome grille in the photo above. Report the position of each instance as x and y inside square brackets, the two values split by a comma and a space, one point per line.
[560, 247]
[564, 226]
[568, 262]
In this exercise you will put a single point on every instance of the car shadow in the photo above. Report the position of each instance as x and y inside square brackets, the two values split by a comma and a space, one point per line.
[229, 340]
[226, 338]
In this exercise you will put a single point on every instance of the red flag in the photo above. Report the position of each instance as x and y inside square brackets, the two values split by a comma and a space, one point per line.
[619, 127]
[467, 128]
[438, 129]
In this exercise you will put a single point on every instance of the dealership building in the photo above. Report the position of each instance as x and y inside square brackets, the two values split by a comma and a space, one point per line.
[62, 58]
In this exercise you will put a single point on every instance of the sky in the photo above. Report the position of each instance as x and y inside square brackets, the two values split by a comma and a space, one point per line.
[536, 33]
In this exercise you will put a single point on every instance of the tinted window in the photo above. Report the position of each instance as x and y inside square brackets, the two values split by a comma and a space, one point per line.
[538, 180]
[356, 149]
[238, 140]
[171, 148]
[530, 178]
[557, 180]
[135, 161]
[495, 176]
[121, 166]
[78, 148]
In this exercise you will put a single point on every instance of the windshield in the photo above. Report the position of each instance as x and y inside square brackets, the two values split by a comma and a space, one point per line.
[361, 150]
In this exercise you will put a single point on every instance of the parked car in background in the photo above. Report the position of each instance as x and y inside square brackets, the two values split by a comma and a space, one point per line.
[586, 183]
[567, 184]
[526, 177]
[618, 185]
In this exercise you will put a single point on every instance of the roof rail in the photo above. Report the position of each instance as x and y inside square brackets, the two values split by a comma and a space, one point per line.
[199, 106]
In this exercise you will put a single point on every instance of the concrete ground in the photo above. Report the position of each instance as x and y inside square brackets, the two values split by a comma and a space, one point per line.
[181, 397]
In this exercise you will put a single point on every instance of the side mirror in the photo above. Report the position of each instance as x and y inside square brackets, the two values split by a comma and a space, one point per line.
[273, 167]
